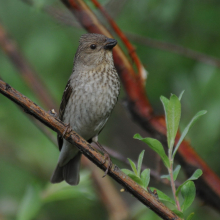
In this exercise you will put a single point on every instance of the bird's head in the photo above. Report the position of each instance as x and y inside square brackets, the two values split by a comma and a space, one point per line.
[94, 50]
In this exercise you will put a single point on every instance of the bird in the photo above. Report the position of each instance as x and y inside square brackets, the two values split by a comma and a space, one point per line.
[90, 95]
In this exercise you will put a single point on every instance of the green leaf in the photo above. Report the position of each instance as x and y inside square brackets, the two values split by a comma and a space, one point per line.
[165, 101]
[30, 204]
[173, 119]
[190, 216]
[172, 109]
[167, 176]
[136, 179]
[162, 196]
[145, 177]
[194, 119]
[181, 94]
[140, 159]
[176, 172]
[188, 192]
[127, 171]
[156, 146]
[195, 176]
[179, 213]
[133, 166]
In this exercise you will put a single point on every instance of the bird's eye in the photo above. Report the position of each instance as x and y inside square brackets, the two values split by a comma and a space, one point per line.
[93, 46]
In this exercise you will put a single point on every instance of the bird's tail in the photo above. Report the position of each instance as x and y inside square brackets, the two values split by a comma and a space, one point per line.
[69, 172]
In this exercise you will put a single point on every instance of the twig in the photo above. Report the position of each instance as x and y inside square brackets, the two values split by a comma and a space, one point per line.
[63, 18]
[201, 57]
[131, 49]
[173, 187]
[141, 111]
[142, 195]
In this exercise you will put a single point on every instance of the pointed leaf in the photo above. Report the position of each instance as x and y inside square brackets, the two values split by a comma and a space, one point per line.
[133, 166]
[165, 101]
[136, 179]
[167, 176]
[127, 171]
[156, 146]
[145, 177]
[195, 176]
[173, 119]
[190, 216]
[162, 196]
[188, 192]
[183, 135]
[176, 172]
[179, 213]
[181, 94]
[140, 159]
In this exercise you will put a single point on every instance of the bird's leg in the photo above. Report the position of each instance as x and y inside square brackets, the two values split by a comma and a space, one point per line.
[106, 155]
[67, 130]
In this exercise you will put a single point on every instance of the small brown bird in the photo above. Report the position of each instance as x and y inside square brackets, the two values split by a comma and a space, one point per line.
[88, 100]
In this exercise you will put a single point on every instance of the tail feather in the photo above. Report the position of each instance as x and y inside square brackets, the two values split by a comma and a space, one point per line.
[69, 172]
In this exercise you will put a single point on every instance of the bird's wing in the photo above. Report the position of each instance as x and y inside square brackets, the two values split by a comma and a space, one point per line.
[66, 95]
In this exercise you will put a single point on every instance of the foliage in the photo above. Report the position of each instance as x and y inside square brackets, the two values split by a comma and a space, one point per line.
[172, 108]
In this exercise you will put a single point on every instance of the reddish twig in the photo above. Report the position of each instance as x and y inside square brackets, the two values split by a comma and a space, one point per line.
[142, 195]
[129, 46]
[209, 184]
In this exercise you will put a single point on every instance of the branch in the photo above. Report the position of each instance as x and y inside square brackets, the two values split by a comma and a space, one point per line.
[141, 71]
[58, 126]
[141, 111]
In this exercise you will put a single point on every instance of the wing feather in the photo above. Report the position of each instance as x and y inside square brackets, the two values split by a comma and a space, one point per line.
[66, 95]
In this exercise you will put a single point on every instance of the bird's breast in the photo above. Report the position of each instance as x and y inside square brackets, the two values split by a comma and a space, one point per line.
[94, 97]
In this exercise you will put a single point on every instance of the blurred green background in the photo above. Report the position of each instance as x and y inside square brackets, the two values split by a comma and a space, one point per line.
[27, 157]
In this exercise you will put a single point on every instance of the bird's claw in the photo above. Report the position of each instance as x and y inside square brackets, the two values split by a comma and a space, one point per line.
[107, 158]
[67, 130]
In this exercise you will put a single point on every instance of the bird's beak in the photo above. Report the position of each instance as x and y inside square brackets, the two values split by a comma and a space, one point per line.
[110, 43]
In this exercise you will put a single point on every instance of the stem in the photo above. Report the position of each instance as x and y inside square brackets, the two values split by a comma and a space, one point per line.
[172, 180]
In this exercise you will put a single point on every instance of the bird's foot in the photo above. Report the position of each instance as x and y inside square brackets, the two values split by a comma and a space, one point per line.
[106, 158]
[109, 166]
[67, 130]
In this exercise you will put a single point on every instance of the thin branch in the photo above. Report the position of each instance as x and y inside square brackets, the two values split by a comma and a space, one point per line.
[65, 19]
[58, 126]
[174, 48]
[27, 73]
[141, 111]
[131, 49]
